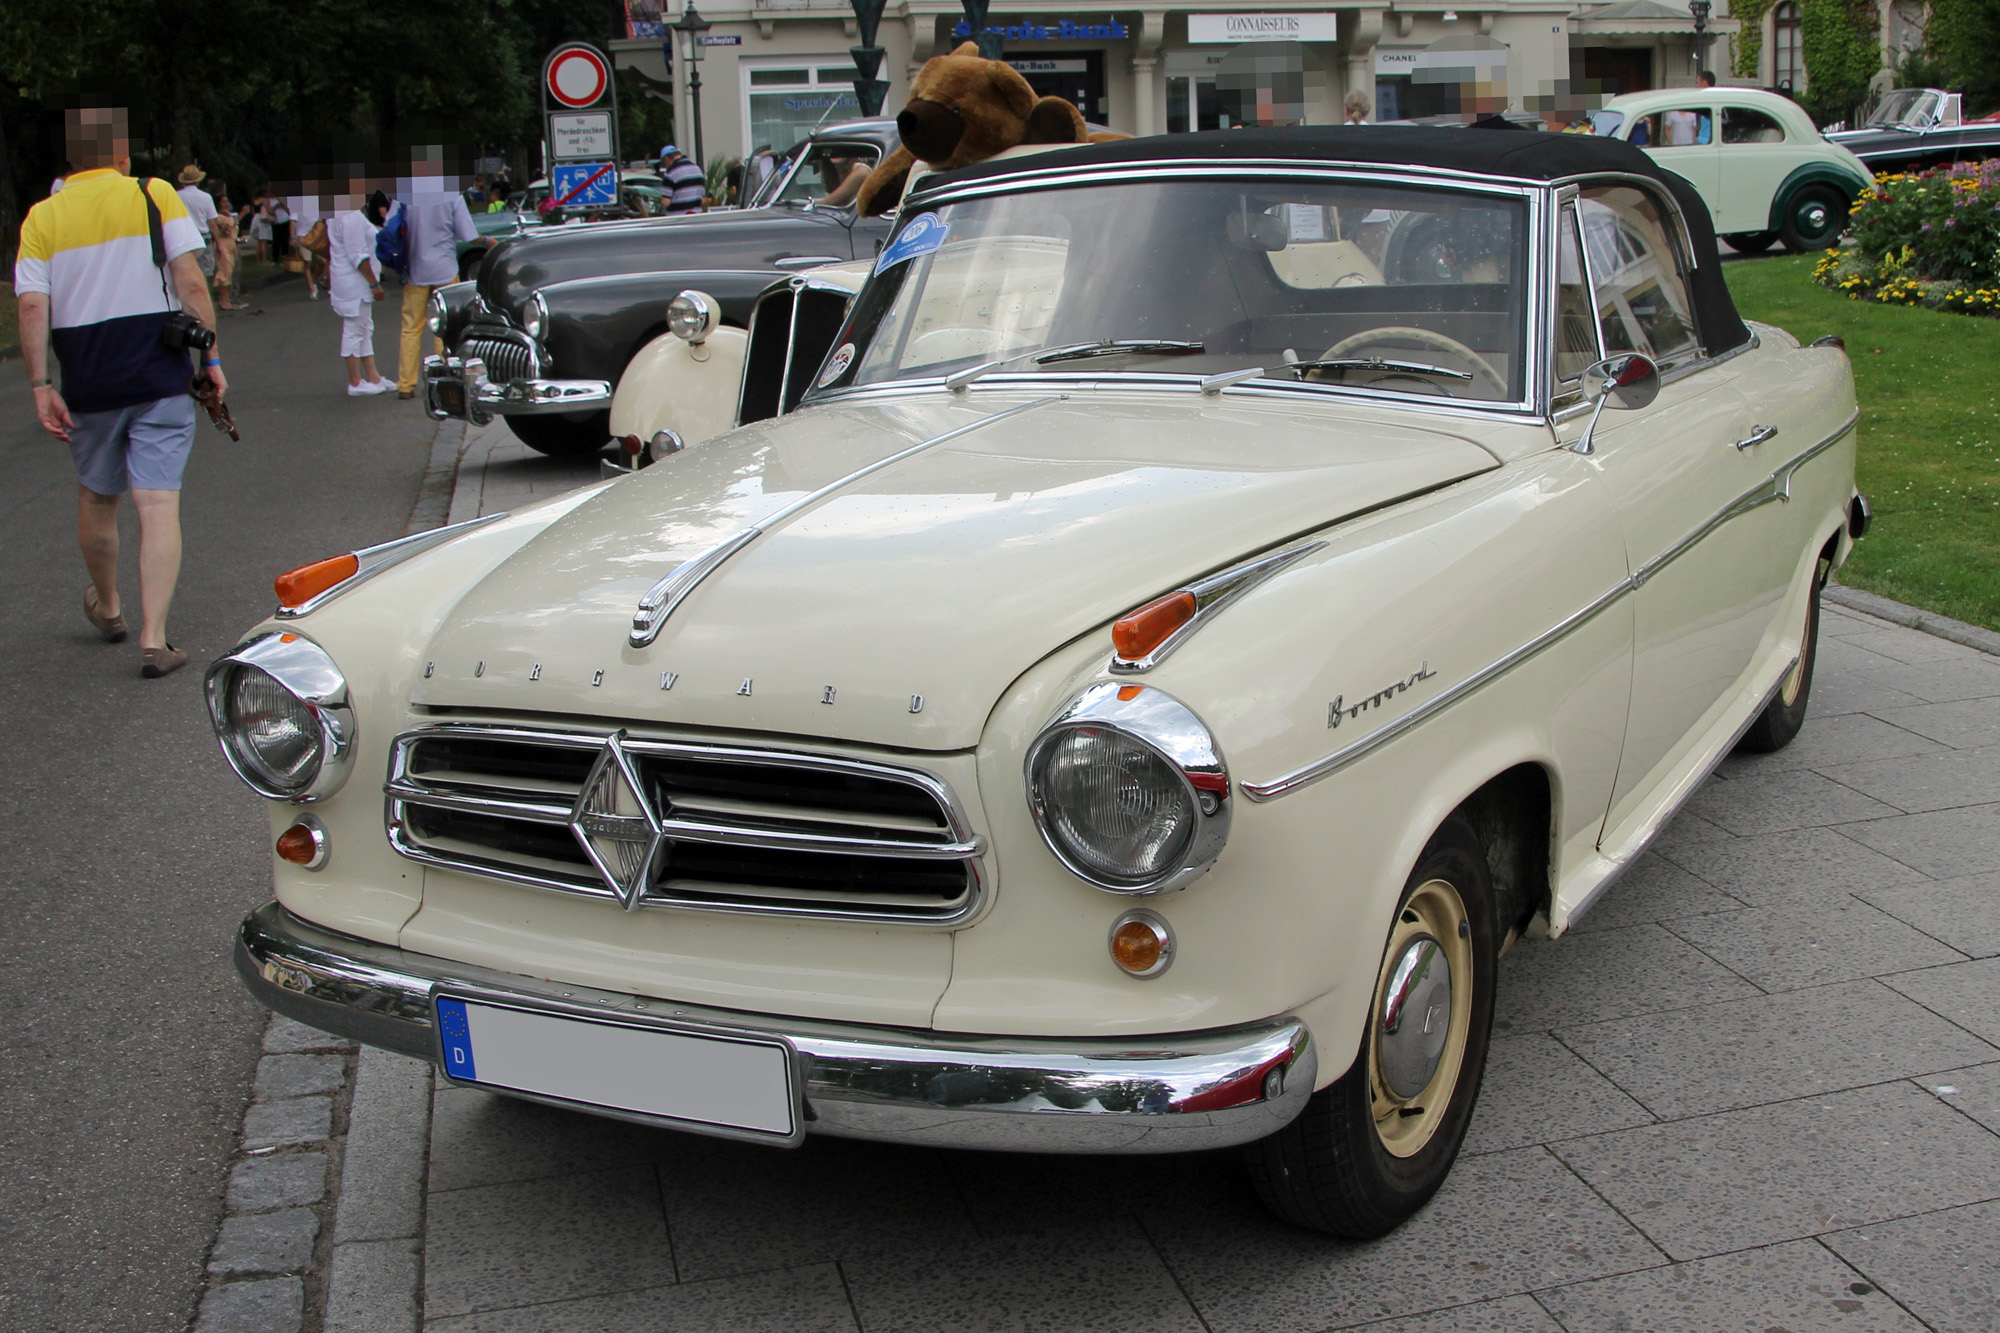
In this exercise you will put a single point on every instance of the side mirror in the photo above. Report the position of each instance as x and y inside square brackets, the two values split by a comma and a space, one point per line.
[1626, 382]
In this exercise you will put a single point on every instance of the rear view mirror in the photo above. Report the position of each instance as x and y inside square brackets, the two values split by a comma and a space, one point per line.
[1628, 381]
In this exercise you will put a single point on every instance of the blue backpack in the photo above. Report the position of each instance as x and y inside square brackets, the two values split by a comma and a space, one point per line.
[392, 243]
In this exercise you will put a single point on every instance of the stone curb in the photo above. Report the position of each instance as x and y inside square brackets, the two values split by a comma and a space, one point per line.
[1910, 617]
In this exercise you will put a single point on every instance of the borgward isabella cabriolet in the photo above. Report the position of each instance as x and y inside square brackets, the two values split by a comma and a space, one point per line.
[1217, 593]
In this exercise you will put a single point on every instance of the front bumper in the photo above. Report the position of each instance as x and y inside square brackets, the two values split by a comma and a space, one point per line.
[458, 387]
[1141, 1094]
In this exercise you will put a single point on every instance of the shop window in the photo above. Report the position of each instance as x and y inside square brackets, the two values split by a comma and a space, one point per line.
[784, 103]
[1192, 104]
[1392, 96]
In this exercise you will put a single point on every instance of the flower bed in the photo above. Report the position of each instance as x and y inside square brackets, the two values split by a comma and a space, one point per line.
[1927, 240]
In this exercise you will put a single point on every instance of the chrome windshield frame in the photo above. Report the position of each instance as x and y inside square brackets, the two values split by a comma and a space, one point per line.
[1534, 310]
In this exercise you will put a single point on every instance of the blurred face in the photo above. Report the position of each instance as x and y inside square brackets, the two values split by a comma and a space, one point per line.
[96, 137]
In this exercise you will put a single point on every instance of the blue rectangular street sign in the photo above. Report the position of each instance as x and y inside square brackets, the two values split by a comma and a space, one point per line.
[585, 185]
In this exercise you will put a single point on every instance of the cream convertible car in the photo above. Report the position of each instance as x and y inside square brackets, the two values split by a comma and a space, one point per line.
[1217, 593]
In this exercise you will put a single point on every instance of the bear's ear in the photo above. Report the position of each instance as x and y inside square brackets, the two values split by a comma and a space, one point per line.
[1055, 120]
[1014, 91]
[966, 49]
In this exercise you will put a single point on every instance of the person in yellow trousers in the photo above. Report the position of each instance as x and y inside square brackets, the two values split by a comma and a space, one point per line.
[435, 220]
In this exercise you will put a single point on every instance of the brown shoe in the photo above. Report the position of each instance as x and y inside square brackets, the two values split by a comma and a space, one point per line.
[406, 393]
[157, 662]
[111, 628]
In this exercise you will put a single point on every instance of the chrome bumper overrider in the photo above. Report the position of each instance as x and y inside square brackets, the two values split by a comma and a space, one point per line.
[458, 387]
[1139, 1094]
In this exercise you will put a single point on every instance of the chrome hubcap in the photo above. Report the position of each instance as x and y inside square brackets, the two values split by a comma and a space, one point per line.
[1416, 1017]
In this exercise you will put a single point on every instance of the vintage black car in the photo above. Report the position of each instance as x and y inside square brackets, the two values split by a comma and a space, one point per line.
[543, 335]
[1915, 129]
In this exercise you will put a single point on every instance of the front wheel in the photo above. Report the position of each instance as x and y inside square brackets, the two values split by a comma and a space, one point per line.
[1371, 1149]
[1813, 219]
[1751, 242]
[1785, 714]
[568, 435]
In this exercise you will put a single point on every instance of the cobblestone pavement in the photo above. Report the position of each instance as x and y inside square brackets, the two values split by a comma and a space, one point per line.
[1757, 1088]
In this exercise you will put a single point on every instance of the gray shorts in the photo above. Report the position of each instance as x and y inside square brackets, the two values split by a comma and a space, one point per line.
[144, 447]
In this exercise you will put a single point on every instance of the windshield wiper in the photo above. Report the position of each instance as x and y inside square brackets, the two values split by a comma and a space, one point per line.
[1073, 352]
[1300, 368]
[1120, 347]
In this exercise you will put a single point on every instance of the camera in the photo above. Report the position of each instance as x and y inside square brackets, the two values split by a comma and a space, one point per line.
[184, 333]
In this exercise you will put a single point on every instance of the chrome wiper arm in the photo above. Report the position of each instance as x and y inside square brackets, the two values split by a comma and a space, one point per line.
[1120, 347]
[957, 381]
[1300, 368]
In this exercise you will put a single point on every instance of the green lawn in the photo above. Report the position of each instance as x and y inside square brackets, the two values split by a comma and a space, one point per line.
[1930, 435]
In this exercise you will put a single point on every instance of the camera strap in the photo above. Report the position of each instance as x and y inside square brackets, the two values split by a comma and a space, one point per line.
[156, 232]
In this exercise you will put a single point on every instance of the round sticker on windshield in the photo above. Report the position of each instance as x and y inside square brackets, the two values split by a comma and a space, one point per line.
[837, 364]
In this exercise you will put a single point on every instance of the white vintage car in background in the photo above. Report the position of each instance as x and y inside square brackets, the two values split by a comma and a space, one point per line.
[1766, 172]
[1214, 595]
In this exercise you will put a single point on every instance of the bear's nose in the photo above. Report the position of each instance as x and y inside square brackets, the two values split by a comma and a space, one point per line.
[930, 130]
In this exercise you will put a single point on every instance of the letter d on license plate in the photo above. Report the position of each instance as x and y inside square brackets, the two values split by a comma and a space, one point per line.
[724, 1082]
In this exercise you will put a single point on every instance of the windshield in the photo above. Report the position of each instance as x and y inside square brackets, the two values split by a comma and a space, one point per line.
[1404, 290]
[1905, 106]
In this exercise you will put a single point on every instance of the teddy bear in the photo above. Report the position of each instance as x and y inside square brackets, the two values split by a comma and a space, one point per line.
[964, 108]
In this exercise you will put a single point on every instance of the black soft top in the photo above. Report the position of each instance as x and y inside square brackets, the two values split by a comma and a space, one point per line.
[1526, 155]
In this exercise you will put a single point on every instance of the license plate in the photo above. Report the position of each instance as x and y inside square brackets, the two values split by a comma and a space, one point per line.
[725, 1082]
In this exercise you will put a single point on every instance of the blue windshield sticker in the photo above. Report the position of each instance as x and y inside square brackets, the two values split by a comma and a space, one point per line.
[455, 1035]
[925, 233]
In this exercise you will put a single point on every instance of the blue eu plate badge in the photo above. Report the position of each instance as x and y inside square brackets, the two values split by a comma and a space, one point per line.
[924, 233]
[455, 1033]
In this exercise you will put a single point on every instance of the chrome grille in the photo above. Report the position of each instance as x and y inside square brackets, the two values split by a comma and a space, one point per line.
[742, 829]
[506, 358]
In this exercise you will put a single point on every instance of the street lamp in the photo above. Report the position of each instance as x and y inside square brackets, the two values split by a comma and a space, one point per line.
[1700, 9]
[691, 27]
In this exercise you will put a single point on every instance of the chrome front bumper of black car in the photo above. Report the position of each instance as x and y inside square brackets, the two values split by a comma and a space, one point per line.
[457, 387]
[1129, 1094]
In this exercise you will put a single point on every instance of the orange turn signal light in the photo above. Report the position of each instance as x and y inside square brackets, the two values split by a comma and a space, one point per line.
[299, 586]
[304, 844]
[1135, 635]
[1136, 947]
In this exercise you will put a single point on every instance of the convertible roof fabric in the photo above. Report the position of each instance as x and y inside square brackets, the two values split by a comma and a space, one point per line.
[1527, 155]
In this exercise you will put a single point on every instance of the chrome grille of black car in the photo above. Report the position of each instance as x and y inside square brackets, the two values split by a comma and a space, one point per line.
[506, 358]
[744, 829]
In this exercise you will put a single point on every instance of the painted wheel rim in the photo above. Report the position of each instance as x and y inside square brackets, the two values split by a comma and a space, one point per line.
[1814, 218]
[1422, 1011]
[1795, 679]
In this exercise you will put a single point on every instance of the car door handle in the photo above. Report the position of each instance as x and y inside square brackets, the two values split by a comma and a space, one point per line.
[809, 261]
[1758, 434]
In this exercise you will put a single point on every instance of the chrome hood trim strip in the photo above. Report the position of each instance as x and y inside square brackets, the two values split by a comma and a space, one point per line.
[1776, 487]
[663, 597]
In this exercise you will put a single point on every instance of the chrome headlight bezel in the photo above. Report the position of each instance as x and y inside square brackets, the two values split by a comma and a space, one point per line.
[434, 315]
[535, 316]
[1159, 722]
[692, 316]
[302, 669]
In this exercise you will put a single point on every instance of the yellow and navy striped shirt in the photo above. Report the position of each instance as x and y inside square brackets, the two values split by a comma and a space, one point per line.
[88, 248]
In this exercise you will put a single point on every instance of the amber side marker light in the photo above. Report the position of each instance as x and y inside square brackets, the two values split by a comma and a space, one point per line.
[304, 844]
[1138, 633]
[299, 586]
[1142, 944]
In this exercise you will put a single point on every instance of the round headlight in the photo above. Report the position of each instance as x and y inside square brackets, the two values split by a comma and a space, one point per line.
[434, 315]
[280, 709]
[535, 317]
[1128, 790]
[691, 316]
[272, 730]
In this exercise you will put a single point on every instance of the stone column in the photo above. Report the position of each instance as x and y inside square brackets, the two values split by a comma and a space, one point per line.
[1361, 57]
[1147, 33]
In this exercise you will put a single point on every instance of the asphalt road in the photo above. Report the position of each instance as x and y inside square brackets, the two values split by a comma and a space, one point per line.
[127, 850]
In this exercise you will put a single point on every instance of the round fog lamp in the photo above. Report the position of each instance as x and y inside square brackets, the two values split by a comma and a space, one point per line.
[1142, 944]
[691, 316]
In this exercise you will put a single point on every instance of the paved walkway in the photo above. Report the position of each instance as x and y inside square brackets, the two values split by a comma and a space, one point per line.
[1757, 1088]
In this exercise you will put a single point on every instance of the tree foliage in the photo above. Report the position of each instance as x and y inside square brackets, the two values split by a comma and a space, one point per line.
[1842, 52]
[259, 90]
[1963, 37]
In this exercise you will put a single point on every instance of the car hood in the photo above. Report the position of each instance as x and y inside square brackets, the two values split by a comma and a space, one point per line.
[739, 238]
[897, 606]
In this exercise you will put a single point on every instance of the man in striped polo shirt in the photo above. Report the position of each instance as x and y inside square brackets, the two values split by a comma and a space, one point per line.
[88, 285]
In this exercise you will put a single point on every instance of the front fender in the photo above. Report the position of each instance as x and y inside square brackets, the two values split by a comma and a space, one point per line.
[1816, 173]
[674, 385]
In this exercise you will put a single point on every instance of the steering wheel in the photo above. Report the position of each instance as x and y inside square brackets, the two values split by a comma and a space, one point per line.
[1424, 338]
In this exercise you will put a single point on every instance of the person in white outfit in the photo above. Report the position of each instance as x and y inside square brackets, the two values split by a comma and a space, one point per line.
[356, 284]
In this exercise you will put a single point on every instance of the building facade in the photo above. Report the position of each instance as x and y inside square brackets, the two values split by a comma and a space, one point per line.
[772, 69]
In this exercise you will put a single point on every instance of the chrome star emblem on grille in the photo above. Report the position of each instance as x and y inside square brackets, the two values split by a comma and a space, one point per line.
[617, 825]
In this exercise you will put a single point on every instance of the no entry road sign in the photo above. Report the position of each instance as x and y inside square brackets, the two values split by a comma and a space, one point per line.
[577, 75]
